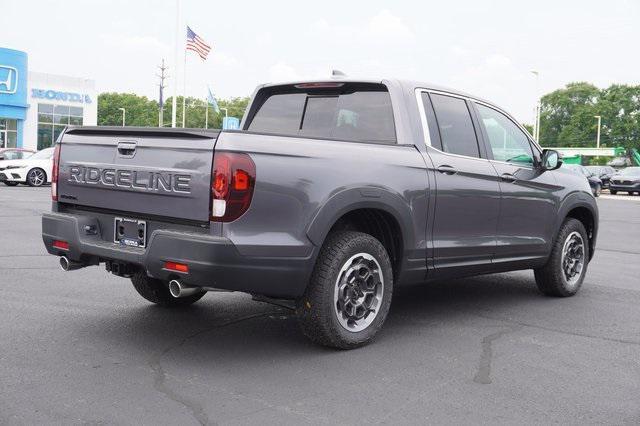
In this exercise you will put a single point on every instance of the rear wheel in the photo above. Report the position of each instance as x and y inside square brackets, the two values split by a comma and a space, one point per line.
[613, 191]
[157, 291]
[11, 183]
[349, 295]
[36, 177]
[566, 268]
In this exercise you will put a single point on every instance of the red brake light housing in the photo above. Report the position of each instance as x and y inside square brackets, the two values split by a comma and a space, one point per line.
[55, 172]
[233, 178]
[177, 267]
[62, 245]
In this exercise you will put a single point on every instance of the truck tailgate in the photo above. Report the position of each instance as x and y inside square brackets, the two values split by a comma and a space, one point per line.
[146, 171]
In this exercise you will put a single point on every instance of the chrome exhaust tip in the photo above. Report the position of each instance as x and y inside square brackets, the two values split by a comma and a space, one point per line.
[69, 265]
[177, 289]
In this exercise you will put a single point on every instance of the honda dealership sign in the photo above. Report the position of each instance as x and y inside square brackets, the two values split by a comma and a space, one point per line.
[8, 79]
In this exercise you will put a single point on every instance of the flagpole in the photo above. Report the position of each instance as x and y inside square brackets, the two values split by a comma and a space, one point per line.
[175, 67]
[184, 90]
[206, 116]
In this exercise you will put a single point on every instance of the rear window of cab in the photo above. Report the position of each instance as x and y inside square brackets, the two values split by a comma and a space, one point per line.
[339, 111]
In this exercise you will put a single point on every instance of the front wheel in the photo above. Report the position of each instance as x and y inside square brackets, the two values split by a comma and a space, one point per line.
[348, 297]
[157, 291]
[566, 268]
[36, 177]
[613, 192]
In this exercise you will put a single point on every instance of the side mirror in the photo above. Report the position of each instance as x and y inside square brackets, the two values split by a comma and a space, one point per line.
[551, 159]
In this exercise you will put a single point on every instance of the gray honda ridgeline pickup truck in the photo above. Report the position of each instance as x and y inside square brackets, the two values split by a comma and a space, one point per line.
[331, 194]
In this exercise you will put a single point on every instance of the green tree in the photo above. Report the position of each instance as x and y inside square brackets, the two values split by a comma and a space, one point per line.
[559, 109]
[568, 116]
[529, 127]
[140, 111]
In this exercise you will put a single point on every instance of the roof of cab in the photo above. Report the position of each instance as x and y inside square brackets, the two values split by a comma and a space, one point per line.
[405, 84]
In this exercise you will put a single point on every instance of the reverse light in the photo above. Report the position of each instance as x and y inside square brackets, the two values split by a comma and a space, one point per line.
[62, 245]
[177, 267]
[55, 172]
[232, 182]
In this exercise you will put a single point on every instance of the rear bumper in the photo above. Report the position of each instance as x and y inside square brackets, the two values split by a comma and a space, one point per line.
[213, 261]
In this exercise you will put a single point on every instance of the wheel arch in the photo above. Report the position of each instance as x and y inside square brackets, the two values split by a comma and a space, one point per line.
[377, 212]
[585, 210]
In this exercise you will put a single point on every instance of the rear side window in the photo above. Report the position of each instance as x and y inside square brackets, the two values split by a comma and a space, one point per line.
[350, 114]
[280, 113]
[455, 125]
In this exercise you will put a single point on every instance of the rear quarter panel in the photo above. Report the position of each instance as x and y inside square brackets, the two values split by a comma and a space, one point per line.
[304, 185]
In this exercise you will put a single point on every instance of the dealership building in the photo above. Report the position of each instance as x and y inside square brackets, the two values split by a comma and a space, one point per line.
[35, 107]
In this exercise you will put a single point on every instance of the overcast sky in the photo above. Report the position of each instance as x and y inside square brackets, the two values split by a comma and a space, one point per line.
[484, 47]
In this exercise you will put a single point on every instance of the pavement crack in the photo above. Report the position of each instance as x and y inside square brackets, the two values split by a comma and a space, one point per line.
[483, 375]
[160, 376]
[521, 324]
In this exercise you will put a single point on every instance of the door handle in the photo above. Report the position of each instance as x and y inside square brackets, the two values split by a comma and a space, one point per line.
[447, 170]
[508, 177]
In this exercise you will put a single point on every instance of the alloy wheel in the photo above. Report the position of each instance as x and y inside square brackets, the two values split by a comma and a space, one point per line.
[36, 177]
[358, 292]
[573, 258]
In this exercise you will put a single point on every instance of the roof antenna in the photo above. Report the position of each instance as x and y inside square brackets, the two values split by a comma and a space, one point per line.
[337, 74]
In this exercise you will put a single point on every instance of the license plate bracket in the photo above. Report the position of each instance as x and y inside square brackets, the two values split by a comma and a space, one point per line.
[130, 232]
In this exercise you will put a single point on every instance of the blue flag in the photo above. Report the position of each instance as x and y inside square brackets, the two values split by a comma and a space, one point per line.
[212, 100]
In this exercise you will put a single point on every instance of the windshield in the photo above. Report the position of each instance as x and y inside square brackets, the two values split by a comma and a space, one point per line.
[631, 171]
[41, 155]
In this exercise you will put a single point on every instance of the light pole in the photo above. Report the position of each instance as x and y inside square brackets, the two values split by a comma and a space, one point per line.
[599, 123]
[124, 115]
[536, 124]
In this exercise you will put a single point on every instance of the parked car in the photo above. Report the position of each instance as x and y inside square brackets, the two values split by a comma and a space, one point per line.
[14, 153]
[332, 194]
[594, 181]
[603, 172]
[626, 180]
[34, 170]
[619, 162]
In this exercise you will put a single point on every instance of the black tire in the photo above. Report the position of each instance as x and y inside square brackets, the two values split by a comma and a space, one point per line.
[157, 291]
[613, 192]
[11, 183]
[317, 311]
[551, 279]
[36, 177]
[597, 191]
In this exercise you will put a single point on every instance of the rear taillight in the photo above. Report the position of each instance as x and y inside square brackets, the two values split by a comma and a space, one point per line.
[232, 182]
[54, 173]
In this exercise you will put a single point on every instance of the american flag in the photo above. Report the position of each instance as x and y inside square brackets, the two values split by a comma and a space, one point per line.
[197, 44]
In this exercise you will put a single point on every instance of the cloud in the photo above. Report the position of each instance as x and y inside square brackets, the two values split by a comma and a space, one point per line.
[135, 43]
[282, 71]
[497, 78]
[383, 27]
[387, 25]
[223, 59]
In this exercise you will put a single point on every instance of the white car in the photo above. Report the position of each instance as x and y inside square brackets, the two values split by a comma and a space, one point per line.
[34, 171]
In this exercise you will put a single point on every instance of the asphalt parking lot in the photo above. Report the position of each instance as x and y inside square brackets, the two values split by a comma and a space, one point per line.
[83, 347]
